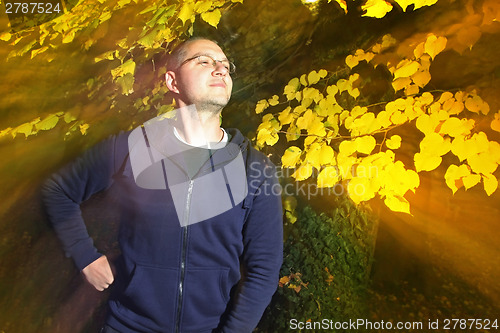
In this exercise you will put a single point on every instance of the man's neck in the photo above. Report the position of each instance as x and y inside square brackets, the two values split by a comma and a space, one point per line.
[198, 128]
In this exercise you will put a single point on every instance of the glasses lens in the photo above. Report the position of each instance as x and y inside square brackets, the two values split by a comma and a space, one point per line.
[206, 61]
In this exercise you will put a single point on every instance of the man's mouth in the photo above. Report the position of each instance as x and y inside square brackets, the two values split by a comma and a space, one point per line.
[221, 84]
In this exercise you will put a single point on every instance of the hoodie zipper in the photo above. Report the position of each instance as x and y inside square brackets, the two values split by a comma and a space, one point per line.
[184, 254]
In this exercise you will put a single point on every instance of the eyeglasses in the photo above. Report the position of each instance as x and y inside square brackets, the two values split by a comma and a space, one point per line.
[208, 61]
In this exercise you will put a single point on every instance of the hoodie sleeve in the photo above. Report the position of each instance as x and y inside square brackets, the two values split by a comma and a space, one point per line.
[262, 257]
[65, 190]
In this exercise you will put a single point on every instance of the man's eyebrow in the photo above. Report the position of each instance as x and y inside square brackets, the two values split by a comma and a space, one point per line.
[208, 55]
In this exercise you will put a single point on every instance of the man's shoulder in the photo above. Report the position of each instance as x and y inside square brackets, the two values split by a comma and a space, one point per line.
[253, 157]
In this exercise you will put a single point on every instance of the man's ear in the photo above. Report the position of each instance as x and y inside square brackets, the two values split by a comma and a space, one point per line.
[171, 82]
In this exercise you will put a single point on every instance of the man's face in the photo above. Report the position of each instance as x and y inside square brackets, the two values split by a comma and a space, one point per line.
[206, 87]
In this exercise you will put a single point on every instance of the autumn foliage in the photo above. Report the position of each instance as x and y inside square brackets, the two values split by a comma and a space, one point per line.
[341, 138]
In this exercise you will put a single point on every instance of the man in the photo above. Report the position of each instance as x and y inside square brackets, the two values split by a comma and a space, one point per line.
[200, 211]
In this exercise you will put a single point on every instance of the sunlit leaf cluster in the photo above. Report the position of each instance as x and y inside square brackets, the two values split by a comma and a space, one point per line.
[89, 30]
[49, 122]
[380, 8]
[335, 137]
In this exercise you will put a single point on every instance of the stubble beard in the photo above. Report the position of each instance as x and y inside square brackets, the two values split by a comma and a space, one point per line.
[212, 106]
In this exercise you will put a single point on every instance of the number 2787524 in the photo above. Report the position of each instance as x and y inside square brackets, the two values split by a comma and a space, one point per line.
[32, 8]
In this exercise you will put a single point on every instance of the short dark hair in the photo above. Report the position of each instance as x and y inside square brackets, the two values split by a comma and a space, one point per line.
[176, 57]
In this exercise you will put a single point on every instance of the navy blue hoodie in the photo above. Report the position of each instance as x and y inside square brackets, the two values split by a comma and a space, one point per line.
[176, 276]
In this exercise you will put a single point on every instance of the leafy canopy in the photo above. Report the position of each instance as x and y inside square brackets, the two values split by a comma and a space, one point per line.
[335, 136]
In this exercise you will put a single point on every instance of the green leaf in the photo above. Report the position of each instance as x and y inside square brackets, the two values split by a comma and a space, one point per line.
[126, 82]
[127, 68]
[47, 123]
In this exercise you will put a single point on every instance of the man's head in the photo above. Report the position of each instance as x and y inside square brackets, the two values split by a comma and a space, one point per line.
[198, 72]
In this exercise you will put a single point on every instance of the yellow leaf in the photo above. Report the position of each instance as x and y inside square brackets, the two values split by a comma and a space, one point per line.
[435, 45]
[36, 52]
[406, 68]
[427, 98]
[412, 90]
[69, 36]
[358, 111]
[286, 117]
[343, 85]
[313, 155]
[332, 90]
[376, 8]
[421, 78]
[326, 155]
[454, 127]
[186, 12]
[394, 142]
[293, 133]
[397, 204]
[435, 144]
[316, 127]
[5, 36]
[303, 80]
[342, 5]
[202, 6]
[494, 151]
[309, 140]
[303, 172]
[419, 50]
[425, 162]
[273, 101]
[127, 67]
[360, 189]
[313, 77]
[495, 123]
[284, 280]
[291, 88]
[212, 18]
[312, 93]
[471, 180]
[401, 83]
[456, 108]
[366, 124]
[328, 177]
[104, 16]
[383, 118]
[291, 157]
[84, 128]
[266, 136]
[365, 144]
[347, 148]
[476, 104]
[482, 163]
[261, 106]
[354, 92]
[304, 121]
[427, 124]
[110, 55]
[490, 183]
[399, 118]
[454, 175]
[422, 3]
[351, 61]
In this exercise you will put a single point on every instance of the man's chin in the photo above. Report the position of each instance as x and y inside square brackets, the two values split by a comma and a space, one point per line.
[213, 106]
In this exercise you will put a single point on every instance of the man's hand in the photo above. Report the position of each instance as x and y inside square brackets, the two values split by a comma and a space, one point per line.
[99, 274]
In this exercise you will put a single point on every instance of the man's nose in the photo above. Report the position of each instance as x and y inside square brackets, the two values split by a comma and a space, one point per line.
[220, 69]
